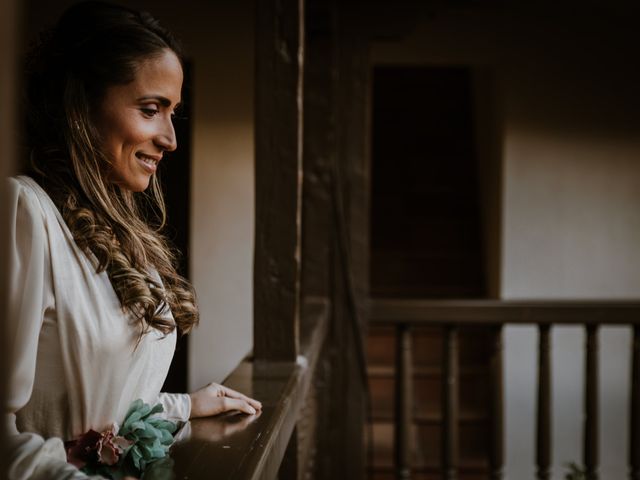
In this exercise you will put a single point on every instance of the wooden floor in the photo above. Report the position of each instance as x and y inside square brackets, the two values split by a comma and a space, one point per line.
[474, 426]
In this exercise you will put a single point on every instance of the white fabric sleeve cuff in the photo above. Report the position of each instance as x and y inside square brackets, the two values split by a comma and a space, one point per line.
[177, 406]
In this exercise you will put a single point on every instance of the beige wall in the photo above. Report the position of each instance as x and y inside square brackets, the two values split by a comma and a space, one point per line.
[569, 223]
[222, 198]
[218, 38]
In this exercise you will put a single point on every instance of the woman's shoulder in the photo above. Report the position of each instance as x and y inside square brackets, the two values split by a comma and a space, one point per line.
[24, 183]
[26, 196]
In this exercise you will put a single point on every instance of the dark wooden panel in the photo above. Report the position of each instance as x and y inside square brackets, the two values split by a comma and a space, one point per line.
[278, 173]
[380, 346]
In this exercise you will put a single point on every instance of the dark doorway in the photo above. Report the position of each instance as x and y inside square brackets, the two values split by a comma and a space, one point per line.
[426, 227]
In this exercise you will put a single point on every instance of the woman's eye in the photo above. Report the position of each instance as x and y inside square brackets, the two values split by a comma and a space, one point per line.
[149, 112]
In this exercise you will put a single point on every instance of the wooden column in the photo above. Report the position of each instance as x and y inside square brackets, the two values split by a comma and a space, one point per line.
[289, 468]
[450, 432]
[403, 447]
[543, 431]
[279, 56]
[590, 451]
[496, 448]
[343, 447]
[634, 426]
[319, 149]
[318, 234]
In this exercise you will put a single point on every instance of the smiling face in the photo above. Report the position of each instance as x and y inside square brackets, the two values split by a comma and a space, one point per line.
[135, 121]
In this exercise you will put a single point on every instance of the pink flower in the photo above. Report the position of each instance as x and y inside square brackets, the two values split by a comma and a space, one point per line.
[104, 448]
[83, 450]
[110, 446]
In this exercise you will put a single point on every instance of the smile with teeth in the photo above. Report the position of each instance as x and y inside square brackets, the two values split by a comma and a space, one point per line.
[147, 160]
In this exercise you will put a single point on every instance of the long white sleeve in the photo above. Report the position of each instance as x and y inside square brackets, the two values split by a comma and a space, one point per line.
[177, 406]
[30, 455]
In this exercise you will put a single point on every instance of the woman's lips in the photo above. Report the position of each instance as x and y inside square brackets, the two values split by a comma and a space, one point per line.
[149, 162]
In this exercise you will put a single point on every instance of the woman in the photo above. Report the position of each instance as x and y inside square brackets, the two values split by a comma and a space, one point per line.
[95, 300]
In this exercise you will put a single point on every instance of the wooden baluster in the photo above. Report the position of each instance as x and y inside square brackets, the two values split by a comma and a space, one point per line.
[496, 452]
[543, 430]
[404, 402]
[634, 434]
[590, 451]
[450, 375]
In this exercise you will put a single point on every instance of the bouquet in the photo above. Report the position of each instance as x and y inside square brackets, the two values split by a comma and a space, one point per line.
[139, 448]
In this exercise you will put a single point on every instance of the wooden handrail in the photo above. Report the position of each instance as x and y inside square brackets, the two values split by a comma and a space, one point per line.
[252, 448]
[485, 312]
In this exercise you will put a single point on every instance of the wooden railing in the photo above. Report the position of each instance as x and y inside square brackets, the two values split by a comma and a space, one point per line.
[256, 447]
[451, 315]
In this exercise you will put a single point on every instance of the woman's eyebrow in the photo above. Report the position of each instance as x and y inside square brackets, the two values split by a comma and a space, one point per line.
[164, 101]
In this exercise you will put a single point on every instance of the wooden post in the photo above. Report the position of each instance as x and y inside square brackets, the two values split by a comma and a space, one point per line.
[450, 376]
[318, 233]
[343, 445]
[590, 451]
[319, 149]
[289, 468]
[496, 449]
[278, 136]
[634, 426]
[403, 403]
[543, 431]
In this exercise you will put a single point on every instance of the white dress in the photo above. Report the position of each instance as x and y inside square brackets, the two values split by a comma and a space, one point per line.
[75, 364]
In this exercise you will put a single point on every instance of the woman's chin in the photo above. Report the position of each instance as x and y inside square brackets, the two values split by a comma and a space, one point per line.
[135, 185]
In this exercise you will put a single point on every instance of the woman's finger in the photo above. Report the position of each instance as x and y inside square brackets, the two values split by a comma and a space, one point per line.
[237, 404]
[233, 394]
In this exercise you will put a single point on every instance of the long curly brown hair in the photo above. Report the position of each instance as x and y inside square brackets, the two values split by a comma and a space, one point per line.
[96, 45]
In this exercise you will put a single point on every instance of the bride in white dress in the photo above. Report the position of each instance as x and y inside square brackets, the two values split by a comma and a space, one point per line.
[95, 300]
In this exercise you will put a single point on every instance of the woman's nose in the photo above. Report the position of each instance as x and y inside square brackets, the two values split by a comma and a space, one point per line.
[166, 137]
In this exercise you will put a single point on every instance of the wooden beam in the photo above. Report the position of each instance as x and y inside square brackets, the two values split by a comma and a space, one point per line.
[335, 95]
[487, 312]
[319, 149]
[278, 118]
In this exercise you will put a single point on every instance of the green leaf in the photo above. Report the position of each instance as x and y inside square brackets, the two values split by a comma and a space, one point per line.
[152, 436]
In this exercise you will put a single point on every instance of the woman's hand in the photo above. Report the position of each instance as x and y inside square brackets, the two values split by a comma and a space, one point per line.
[214, 399]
